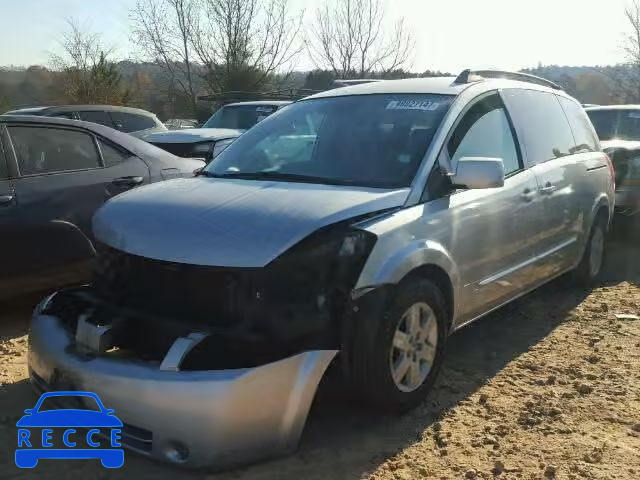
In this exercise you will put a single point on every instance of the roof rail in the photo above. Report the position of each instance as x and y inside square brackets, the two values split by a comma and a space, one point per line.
[468, 76]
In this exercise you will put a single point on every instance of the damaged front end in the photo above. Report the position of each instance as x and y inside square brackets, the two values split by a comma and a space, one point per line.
[206, 366]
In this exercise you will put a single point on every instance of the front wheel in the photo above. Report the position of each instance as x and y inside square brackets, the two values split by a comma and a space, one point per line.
[396, 362]
[592, 261]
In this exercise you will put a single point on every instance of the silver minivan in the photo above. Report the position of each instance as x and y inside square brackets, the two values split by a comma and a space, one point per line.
[357, 228]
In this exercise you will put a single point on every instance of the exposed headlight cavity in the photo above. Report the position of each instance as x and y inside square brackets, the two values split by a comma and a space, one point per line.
[203, 149]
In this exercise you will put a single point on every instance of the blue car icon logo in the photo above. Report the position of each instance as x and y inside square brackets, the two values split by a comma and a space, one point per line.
[36, 431]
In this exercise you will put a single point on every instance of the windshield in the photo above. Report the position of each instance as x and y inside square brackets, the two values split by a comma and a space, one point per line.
[240, 117]
[616, 124]
[365, 140]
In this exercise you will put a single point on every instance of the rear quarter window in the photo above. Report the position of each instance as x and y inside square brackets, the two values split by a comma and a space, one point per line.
[4, 172]
[131, 122]
[99, 117]
[540, 123]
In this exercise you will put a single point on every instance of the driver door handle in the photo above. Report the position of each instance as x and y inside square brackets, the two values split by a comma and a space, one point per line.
[6, 200]
[128, 181]
[548, 188]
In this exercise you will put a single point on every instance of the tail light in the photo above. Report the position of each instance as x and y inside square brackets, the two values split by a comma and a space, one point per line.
[612, 170]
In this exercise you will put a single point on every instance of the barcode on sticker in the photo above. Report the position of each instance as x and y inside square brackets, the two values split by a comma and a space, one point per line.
[413, 105]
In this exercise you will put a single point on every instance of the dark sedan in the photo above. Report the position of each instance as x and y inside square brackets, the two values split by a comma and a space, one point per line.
[54, 174]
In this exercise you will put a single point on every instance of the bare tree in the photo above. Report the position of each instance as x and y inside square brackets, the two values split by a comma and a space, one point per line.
[629, 83]
[349, 38]
[163, 31]
[243, 43]
[88, 73]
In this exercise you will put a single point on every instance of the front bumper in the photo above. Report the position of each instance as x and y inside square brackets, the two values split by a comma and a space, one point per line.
[215, 419]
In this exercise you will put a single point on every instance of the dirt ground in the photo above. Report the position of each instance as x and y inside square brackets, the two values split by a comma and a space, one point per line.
[548, 387]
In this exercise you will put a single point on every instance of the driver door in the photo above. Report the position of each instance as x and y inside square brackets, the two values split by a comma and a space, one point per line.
[493, 231]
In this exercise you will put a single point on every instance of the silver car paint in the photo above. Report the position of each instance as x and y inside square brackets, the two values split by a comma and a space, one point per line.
[494, 245]
[223, 222]
[224, 418]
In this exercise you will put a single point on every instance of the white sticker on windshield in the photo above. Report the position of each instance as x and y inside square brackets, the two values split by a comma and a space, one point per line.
[264, 109]
[634, 115]
[413, 105]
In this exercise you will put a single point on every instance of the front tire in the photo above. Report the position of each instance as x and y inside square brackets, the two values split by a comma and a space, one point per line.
[590, 266]
[397, 355]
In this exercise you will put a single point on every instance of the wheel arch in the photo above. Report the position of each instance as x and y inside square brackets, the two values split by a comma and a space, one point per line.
[424, 259]
[440, 278]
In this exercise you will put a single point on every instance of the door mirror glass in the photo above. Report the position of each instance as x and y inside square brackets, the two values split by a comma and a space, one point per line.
[478, 172]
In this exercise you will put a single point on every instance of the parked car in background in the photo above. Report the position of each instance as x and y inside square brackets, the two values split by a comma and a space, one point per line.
[181, 123]
[134, 121]
[201, 143]
[367, 222]
[618, 127]
[243, 115]
[54, 174]
[224, 126]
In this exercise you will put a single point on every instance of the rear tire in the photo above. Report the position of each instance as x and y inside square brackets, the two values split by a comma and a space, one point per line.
[396, 361]
[590, 267]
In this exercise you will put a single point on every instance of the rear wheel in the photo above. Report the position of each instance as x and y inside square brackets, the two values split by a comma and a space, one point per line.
[592, 261]
[395, 365]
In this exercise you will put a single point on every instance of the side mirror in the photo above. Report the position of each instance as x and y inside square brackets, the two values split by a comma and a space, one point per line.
[479, 172]
[29, 411]
[198, 171]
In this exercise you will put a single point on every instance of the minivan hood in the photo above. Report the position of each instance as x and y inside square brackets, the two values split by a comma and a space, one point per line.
[229, 222]
[192, 135]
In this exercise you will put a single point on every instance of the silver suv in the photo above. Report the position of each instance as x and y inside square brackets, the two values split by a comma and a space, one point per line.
[358, 227]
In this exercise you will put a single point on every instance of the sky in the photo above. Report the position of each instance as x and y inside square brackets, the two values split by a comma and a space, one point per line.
[450, 34]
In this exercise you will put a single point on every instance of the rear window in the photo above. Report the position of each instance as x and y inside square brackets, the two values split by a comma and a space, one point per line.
[616, 124]
[131, 122]
[540, 123]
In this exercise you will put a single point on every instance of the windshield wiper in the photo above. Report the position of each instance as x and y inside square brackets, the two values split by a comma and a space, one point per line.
[281, 176]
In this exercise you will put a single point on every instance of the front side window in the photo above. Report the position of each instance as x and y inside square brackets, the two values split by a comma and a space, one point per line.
[48, 150]
[484, 131]
[365, 140]
[614, 124]
[540, 123]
